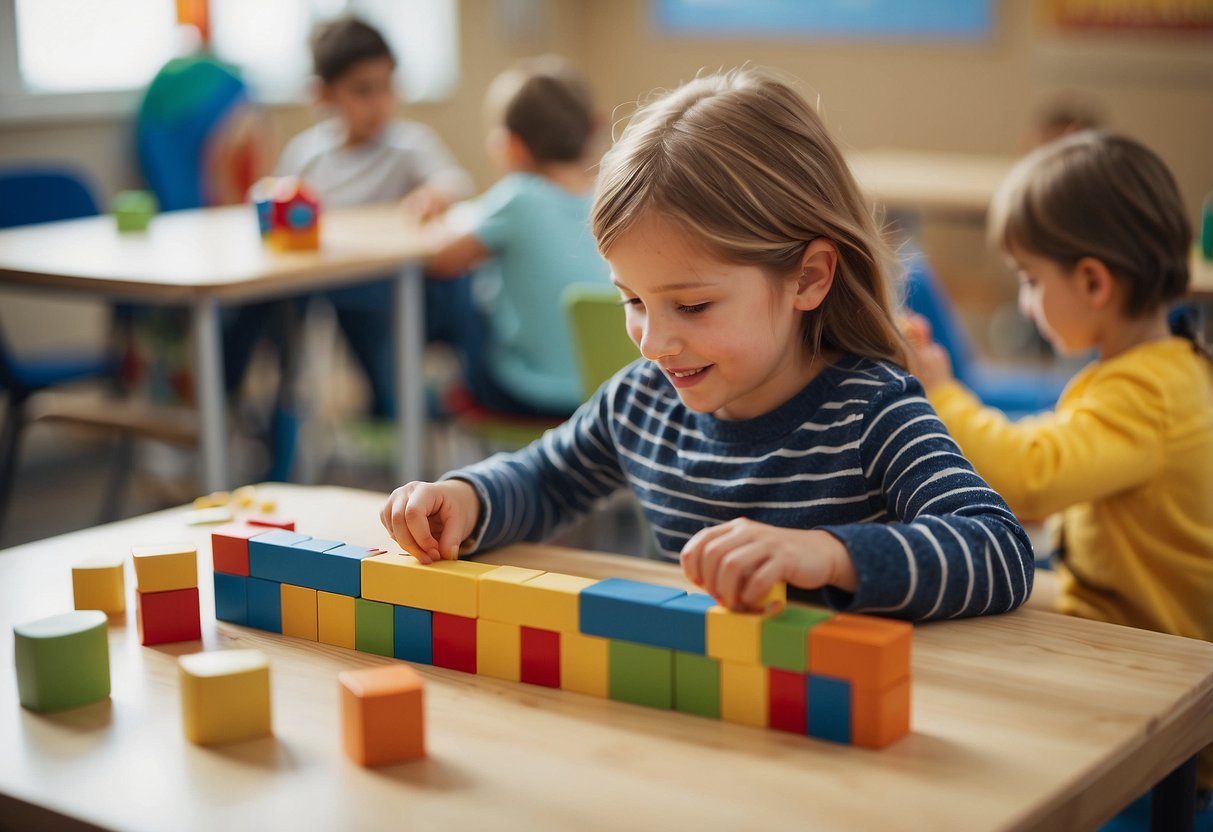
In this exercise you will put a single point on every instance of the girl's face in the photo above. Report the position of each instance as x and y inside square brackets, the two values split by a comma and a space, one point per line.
[1056, 301]
[726, 336]
[364, 98]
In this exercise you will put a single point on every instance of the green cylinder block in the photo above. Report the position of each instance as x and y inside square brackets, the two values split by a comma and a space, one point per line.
[62, 661]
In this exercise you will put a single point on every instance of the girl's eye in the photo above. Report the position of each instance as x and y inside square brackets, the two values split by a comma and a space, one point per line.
[698, 307]
[630, 302]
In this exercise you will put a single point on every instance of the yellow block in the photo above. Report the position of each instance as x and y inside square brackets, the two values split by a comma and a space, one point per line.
[335, 619]
[501, 598]
[225, 695]
[585, 664]
[776, 598]
[743, 694]
[449, 586]
[99, 584]
[736, 636]
[544, 600]
[244, 496]
[299, 612]
[498, 649]
[166, 567]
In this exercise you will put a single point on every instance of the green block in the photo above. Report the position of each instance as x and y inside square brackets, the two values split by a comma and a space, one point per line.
[134, 210]
[785, 638]
[641, 674]
[62, 661]
[697, 685]
[373, 627]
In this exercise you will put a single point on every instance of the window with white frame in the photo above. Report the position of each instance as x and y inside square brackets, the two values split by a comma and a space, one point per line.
[83, 57]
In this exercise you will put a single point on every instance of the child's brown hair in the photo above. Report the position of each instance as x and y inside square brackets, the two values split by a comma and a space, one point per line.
[341, 43]
[547, 104]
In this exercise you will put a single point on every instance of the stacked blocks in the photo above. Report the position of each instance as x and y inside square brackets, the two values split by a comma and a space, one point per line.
[809, 671]
[225, 696]
[62, 661]
[166, 580]
[288, 213]
[382, 714]
[99, 584]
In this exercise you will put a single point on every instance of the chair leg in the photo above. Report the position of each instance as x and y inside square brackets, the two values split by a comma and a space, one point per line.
[10, 447]
[119, 478]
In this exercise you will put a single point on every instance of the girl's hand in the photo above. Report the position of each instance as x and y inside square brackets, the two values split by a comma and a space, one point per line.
[739, 561]
[431, 519]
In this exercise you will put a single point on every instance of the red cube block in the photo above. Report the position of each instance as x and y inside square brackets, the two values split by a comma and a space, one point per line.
[540, 657]
[271, 522]
[229, 547]
[165, 617]
[454, 641]
[786, 696]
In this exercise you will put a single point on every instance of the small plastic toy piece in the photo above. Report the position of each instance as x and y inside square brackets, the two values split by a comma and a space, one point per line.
[134, 210]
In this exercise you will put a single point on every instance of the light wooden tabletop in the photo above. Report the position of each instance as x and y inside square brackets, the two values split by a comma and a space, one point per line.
[209, 251]
[1023, 721]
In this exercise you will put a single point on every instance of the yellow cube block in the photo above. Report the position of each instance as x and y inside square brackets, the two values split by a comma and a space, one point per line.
[299, 612]
[500, 597]
[225, 695]
[449, 586]
[100, 584]
[544, 600]
[335, 619]
[743, 694]
[736, 636]
[498, 650]
[585, 663]
[164, 568]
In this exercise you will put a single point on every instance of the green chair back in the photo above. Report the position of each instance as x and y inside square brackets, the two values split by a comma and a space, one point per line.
[596, 323]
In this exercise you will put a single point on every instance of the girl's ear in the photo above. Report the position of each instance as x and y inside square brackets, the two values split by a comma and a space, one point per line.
[1096, 281]
[817, 267]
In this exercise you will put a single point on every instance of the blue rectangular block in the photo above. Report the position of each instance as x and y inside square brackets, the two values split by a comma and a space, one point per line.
[413, 635]
[231, 598]
[327, 565]
[682, 623]
[828, 702]
[626, 610]
[264, 604]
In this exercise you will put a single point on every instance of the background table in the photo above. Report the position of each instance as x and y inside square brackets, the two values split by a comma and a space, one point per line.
[1022, 721]
[208, 257]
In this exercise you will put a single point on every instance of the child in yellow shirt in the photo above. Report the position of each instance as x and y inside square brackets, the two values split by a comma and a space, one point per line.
[1097, 231]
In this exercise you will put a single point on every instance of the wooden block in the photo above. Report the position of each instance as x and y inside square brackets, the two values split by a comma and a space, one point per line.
[335, 620]
[454, 642]
[682, 623]
[544, 600]
[264, 604]
[871, 653]
[736, 636]
[231, 598]
[775, 599]
[541, 657]
[697, 685]
[216, 499]
[382, 714]
[62, 661]
[167, 617]
[244, 496]
[299, 612]
[743, 694]
[829, 708]
[449, 586]
[625, 610]
[498, 649]
[270, 550]
[785, 637]
[328, 565]
[272, 522]
[642, 674]
[165, 567]
[787, 700]
[413, 635]
[209, 516]
[373, 627]
[225, 696]
[585, 664]
[229, 547]
[500, 597]
[880, 717]
[100, 584]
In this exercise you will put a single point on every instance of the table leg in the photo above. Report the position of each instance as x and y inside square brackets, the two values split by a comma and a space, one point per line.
[408, 327]
[1173, 800]
[208, 382]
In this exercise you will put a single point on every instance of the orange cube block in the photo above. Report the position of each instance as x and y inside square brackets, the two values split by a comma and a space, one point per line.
[879, 717]
[382, 714]
[871, 653]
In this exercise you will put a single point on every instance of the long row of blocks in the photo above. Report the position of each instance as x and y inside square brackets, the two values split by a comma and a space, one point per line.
[839, 677]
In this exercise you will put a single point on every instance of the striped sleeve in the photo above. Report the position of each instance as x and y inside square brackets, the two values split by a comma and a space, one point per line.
[946, 545]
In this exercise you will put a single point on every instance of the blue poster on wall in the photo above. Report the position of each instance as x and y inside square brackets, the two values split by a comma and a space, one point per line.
[851, 19]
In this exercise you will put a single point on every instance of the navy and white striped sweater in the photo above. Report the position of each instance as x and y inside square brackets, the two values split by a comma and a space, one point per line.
[858, 452]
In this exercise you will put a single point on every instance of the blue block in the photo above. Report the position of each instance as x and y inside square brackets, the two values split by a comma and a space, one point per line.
[231, 598]
[682, 623]
[264, 604]
[327, 565]
[413, 635]
[626, 610]
[828, 701]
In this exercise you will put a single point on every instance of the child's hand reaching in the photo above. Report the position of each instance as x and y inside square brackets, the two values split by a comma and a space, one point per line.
[739, 561]
[430, 519]
[928, 361]
[425, 202]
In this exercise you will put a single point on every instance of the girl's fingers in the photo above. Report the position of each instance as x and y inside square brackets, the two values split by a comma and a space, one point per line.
[735, 569]
[759, 583]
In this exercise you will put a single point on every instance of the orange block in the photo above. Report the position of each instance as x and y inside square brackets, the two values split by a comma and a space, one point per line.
[879, 717]
[871, 653]
[382, 714]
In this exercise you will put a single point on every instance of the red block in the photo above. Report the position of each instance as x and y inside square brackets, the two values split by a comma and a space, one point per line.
[786, 694]
[454, 641]
[166, 617]
[271, 522]
[229, 547]
[540, 657]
